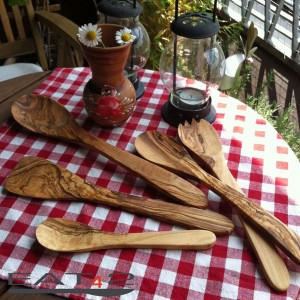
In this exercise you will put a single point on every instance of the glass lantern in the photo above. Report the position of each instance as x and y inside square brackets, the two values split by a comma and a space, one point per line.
[126, 13]
[191, 66]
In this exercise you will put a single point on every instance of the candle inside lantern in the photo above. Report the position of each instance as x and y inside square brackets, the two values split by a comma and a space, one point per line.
[189, 98]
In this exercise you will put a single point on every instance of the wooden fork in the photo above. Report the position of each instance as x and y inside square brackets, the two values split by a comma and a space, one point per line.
[204, 144]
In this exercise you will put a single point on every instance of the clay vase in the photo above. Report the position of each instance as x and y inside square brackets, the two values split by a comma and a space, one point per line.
[109, 97]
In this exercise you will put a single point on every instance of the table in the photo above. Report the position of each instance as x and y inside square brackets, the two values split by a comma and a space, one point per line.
[260, 160]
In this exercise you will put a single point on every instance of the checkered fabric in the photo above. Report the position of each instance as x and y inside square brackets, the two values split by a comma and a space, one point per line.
[263, 164]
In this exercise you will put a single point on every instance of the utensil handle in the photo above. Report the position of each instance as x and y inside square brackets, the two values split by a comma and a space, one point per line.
[163, 180]
[266, 252]
[185, 240]
[284, 237]
[165, 211]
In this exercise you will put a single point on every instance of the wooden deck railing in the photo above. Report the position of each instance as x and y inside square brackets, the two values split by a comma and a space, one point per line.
[277, 23]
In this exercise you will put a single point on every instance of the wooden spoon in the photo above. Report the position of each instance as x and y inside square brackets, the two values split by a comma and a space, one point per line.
[159, 148]
[40, 178]
[70, 236]
[202, 140]
[45, 116]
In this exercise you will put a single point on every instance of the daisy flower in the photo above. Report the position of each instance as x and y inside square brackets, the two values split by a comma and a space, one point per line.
[90, 35]
[124, 36]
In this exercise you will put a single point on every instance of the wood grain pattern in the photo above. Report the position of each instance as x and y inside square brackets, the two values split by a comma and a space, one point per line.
[203, 142]
[45, 116]
[159, 148]
[14, 88]
[70, 236]
[42, 179]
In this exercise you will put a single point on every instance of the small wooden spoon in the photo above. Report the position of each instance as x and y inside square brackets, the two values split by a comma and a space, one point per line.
[70, 236]
[45, 116]
[40, 178]
[159, 148]
[202, 140]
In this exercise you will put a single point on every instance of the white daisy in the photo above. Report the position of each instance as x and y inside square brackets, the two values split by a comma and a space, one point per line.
[124, 36]
[90, 35]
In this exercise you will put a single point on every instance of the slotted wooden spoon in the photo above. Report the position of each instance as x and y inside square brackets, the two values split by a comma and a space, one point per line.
[159, 148]
[44, 116]
[70, 236]
[42, 179]
[202, 140]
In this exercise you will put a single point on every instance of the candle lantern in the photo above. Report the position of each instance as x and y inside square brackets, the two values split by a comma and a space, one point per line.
[191, 66]
[126, 13]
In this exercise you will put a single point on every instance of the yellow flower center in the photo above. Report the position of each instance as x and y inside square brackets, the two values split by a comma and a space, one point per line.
[125, 37]
[90, 35]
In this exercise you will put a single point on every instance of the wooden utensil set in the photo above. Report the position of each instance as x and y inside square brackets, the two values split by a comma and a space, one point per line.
[41, 179]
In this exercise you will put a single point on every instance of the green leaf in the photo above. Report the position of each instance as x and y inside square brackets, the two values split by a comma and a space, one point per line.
[250, 53]
[237, 79]
[251, 37]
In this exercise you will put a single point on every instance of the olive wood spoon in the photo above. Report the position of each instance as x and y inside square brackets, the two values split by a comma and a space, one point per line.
[42, 179]
[203, 142]
[159, 148]
[45, 116]
[69, 236]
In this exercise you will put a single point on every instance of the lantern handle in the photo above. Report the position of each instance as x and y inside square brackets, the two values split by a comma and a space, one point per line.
[215, 10]
[176, 9]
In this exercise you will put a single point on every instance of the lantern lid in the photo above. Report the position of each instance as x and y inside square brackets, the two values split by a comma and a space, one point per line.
[120, 8]
[195, 25]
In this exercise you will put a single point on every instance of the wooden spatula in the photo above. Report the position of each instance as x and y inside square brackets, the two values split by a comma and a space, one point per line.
[202, 140]
[42, 179]
[69, 236]
[45, 116]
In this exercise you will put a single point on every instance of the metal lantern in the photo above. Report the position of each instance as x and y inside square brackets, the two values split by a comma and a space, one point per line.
[191, 66]
[126, 13]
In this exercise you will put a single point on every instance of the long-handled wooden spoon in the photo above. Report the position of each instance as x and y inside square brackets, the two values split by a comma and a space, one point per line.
[70, 236]
[42, 179]
[159, 148]
[45, 116]
[202, 140]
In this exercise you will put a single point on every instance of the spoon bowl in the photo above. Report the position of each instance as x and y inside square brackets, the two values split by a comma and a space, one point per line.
[42, 115]
[69, 236]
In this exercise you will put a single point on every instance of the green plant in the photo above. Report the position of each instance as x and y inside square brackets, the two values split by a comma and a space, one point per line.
[248, 51]
[281, 122]
[270, 111]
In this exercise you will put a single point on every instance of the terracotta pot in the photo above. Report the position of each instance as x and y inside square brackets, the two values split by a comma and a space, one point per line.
[109, 97]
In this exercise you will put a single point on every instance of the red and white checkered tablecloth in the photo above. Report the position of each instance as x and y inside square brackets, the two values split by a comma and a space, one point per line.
[263, 164]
